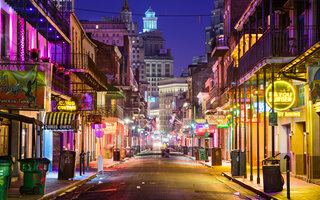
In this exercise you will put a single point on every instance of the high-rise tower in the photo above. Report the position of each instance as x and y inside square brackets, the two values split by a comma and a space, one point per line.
[158, 59]
[137, 53]
[150, 21]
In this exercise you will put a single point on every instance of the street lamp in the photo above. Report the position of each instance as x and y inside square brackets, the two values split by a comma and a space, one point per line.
[193, 125]
[206, 141]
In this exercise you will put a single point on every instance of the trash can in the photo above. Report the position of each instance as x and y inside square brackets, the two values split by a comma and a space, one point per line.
[167, 153]
[238, 164]
[272, 178]
[6, 168]
[196, 153]
[116, 155]
[216, 156]
[202, 154]
[34, 179]
[185, 150]
[129, 152]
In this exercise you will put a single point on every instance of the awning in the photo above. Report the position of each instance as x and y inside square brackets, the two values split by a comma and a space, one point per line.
[61, 121]
[20, 118]
[114, 93]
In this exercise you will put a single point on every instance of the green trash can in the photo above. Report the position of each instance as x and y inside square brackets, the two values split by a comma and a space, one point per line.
[202, 154]
[6, 168]
[34, 179]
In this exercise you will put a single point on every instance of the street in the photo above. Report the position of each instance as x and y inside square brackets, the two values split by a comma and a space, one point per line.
[153, 177]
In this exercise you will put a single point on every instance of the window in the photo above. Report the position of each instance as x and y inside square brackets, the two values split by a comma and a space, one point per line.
[301, 95]
[138, 56]
[117, 41]
[97, 34]
[114, 35]
[102, 34]
[118, 35]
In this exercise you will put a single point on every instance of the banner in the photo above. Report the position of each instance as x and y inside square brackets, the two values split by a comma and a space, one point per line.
[22, 89]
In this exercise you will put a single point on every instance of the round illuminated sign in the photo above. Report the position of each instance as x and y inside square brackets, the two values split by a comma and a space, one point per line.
[284, 95]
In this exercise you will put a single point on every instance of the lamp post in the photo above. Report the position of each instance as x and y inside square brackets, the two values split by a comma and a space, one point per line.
[193, 126]
[206, 142]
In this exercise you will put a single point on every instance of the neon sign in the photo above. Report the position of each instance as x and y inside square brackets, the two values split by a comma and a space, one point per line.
[66, 106]
[284, 95]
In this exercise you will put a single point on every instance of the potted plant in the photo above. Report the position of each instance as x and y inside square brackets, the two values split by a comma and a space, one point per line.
[45, 59]
[60, 70]
[34, 53]
[67, 73]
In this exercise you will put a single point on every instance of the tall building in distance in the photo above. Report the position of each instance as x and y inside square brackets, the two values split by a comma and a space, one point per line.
[216, 29]
[137, 55]
[65, 6]
[158, 59]
[170, 91]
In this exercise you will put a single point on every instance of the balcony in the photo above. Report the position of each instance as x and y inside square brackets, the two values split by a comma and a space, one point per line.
[219, 47]
[61, 84]
[109, 111]
[278, 43]
[34, 10]
[84, 67]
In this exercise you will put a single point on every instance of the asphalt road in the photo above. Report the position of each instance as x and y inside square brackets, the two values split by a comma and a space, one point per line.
[153, 177]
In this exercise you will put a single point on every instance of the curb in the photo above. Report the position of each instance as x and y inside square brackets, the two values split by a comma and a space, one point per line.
[258, 192]
[73, 186]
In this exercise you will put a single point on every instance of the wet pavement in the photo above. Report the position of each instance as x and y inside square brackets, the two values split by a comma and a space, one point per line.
[153, 177]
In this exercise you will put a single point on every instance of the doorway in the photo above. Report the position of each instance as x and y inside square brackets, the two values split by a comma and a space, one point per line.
[56, 149]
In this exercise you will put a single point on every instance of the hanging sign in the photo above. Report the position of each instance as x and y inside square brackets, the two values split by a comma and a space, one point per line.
[284, 95]
[66, 106]
[273, 119]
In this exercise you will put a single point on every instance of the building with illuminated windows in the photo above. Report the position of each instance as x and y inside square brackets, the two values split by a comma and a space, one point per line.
[158, 59]
[170, 90]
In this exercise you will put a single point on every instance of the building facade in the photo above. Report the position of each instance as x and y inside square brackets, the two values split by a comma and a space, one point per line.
[137, 56]
[159, 62]
[170, 89]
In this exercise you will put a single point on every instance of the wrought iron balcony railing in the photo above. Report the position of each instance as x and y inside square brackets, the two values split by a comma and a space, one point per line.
[82, 64]
[288, 42]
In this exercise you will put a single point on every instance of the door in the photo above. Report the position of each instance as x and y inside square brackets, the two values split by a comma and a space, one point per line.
[4, 141]
[56, 149]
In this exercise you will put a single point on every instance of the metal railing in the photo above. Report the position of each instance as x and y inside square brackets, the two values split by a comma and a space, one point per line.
[47, 6]
[109, 111]
[61, 84]
[55, 15]
[79, 61]
[288, 42]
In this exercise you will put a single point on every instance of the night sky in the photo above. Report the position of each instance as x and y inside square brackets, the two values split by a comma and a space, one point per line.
[184, 35]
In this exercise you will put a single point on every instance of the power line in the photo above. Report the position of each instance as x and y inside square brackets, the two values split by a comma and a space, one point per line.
[142, 15]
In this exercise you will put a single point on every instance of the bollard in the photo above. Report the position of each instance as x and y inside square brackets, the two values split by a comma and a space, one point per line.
[80, 164]
[287, 157]
[88, 153]
[83, 163]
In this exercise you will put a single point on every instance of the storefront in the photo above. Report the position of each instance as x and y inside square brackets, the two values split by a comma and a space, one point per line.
[61, 131]
[113, 132]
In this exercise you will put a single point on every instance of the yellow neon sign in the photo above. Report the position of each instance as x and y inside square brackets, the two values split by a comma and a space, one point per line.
[284, 95]
[66, 106]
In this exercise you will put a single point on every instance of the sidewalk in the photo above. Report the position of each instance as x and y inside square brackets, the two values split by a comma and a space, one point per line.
[299, 189]
[55, 187]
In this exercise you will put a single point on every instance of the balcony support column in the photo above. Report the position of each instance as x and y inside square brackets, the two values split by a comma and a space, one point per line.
[264, 114]
[236, 120]
[272, 128]
[245, 127]
[251, 132]
[240, 138]
[258, 138]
